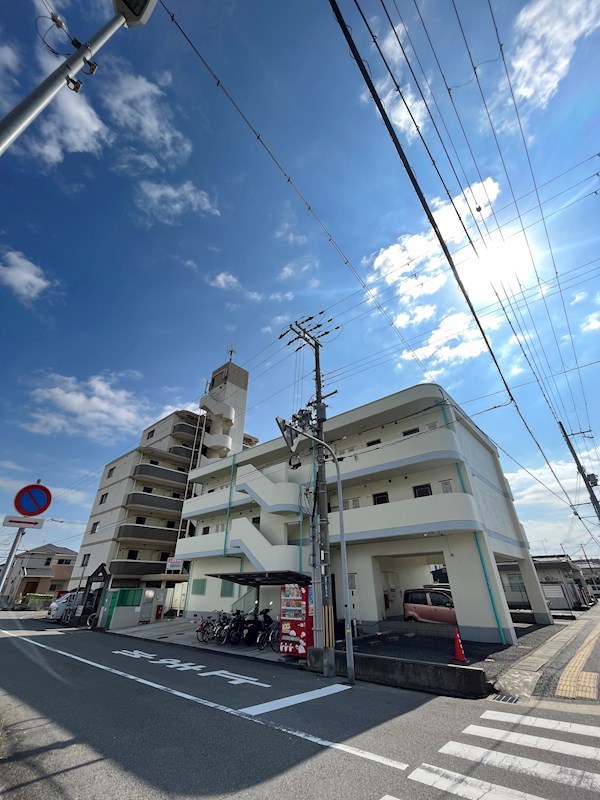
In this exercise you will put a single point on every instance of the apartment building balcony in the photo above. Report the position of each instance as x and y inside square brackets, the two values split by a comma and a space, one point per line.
[438, 513]
[181, 451]
[431, 449]
[128, 568]
[184, 432]
[163, 476]
[169, 507]
[153, 534]
[242, 539]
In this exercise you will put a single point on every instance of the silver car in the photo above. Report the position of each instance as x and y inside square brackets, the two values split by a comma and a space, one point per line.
[58, 607]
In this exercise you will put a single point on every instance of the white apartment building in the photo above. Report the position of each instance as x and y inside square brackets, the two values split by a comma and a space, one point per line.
[42, 570]
[422, 485]
[136, 516]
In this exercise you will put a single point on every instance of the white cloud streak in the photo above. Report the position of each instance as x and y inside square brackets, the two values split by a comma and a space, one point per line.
[25, 279]
[165, 202]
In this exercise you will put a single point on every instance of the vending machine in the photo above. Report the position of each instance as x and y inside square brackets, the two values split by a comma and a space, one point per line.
[297, 615]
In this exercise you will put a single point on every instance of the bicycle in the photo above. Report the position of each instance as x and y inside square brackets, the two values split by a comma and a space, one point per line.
[269, 636]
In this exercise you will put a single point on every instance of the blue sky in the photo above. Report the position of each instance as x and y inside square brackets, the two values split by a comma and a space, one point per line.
[144, 229]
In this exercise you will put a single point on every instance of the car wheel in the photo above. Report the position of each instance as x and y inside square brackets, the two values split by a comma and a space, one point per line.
[410, 619]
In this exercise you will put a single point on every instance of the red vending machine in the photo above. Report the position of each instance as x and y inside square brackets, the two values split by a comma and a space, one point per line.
[297, 614]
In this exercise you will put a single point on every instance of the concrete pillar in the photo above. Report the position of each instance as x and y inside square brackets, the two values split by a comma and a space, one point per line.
[370, 587]
[537, 601]
[479, 599]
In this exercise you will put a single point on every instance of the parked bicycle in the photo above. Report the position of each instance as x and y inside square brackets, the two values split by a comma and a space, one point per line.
[269, 635]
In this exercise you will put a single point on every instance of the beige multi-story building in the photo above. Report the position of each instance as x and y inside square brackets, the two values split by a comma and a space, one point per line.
[422, 485]
[136, 516]
[42, 570]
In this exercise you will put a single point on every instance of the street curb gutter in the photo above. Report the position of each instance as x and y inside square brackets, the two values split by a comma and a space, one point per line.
[422, 676]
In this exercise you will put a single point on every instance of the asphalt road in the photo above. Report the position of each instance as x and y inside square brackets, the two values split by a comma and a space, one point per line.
[91, 715]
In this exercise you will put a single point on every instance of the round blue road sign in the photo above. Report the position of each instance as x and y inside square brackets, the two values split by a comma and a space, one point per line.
[32, 500]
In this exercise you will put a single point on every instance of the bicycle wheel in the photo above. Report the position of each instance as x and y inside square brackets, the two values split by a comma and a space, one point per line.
[91, 620]
[221, 635]
[263, 640]
[208, 632]
[274, 640]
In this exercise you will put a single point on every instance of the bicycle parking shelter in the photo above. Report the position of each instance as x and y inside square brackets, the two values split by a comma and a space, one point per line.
[254, 580]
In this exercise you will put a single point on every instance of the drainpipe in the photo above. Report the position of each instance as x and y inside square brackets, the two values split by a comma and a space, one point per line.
[460, 478]
[301, 518]
[444, 412]
[489, 588]
[229, 504]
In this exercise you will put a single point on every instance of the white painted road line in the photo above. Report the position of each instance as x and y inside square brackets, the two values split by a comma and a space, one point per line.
[293, 700]
[540, 722]
[463, 786]
[308, 737]
[538, 769]
[539, 742]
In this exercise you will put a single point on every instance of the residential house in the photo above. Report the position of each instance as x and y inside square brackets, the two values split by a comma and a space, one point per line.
[41, 570]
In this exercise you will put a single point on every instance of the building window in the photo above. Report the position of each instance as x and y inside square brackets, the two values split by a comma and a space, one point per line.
[103, 498]
[374, 442]
[515, 581]
[410, 432]
[164, 556]
[205, 530]
[351, 502]
[176, 495]
[111, 472]
[424, 490]
[446, 487]
[220, 527]
[380, 498]
[199, 586]
[132, 555]
[150, 434]
[147, 489]
[226, 589]
[256, 522]
[140, 520]
[154, 462]
[85, 560]
[171, 523]
[54, 587]
[94, 527]
[64, 561]
[48, 562]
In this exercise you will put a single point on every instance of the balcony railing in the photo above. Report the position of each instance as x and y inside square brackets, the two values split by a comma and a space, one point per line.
[147, 533]
[128, 568]
[184, 432]
[166, 506]
[152, 473]
[181, 450]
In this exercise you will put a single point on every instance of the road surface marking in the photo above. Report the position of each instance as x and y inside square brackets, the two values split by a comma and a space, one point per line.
[574, 682]
[538, 769]
[540, 743]
[181, 666]
[463, 786]
[541, 722]
[293, 700]
[308, 737]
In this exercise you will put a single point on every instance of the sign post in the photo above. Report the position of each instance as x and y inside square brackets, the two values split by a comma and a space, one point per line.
[29, 501]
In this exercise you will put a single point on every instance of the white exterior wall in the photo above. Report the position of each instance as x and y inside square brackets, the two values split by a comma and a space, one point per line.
[469, 494]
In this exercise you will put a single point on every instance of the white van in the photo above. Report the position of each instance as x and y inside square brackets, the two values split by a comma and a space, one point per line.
[58, 607]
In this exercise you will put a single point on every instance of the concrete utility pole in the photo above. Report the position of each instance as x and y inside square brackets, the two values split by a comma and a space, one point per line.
[307, 335]
[128, 12]
[9, 561]
[587, 479]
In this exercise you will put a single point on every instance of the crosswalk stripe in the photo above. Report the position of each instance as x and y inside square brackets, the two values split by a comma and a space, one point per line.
[541, 722]
[538, 769]
[539, 742]
[464, 786]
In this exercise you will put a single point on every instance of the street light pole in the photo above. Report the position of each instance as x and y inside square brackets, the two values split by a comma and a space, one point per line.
[346, 592]
[131, 13]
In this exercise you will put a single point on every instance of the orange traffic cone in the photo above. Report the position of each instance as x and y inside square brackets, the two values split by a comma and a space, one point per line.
[459, 653]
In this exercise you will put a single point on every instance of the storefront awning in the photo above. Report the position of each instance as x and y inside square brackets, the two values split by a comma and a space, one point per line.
[257, 579]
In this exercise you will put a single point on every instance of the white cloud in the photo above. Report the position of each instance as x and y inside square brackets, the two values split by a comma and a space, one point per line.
[286, 273]
[417, 315]
[391, 48]
[9, 70]
[10, 465]
[314, 283]
[279, 296]
[398, 112]
[578, 298]
[281, 319]
[225, 280]
[137, 107]
[95, 408]
[190, 264]
[285, 231]
[130, 162]
[256, 297]
[266, 329]
[167, 202]
[455, 340]
[546, 35]
[591, 322]
[24, 278]
[164, 78]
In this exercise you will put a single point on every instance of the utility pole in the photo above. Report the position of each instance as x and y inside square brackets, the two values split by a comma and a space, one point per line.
[9, 561]
[131, 13]
[587, 479]
[307, 336]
